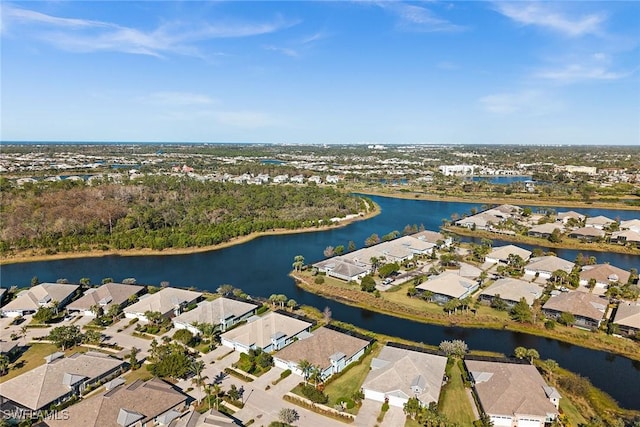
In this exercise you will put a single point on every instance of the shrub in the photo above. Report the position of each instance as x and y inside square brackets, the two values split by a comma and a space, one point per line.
[550, 324]
[319, 280]
[313, 394]
[346, 402]
[285, 374]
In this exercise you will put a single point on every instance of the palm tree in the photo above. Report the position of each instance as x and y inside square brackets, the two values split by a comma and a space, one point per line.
[298, 262]
[55, 304]
[197, 367]
[305, 366]
[23, 331]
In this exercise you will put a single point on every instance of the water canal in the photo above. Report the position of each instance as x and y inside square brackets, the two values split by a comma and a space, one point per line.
[261, 267]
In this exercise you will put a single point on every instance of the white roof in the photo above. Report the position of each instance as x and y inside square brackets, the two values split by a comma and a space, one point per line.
[450, 284]
[163, 301]
[215, 311]
[259, 330]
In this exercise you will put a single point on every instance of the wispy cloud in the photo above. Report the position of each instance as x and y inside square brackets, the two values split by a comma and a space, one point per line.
[283, 50]
[530, 102]
[418, 18]
[80, 35]
[544, 15]
[176, 98]
[594, 67]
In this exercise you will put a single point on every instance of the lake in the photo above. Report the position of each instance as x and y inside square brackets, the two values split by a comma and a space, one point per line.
[260, 267]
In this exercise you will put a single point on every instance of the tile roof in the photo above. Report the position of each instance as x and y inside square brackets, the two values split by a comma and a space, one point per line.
[42, 294]
[260, 330]
[549, 263]
[215, 311]
[514, 289]
[450, 284]
[604, 273]
[628, 314]
[105, 295]
[579, 304]
[503, 252]
[164, 301]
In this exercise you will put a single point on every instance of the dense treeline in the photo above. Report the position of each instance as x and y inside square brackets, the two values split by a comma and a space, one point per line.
[159, 212]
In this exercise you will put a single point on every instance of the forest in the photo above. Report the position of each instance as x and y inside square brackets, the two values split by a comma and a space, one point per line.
[158, 212]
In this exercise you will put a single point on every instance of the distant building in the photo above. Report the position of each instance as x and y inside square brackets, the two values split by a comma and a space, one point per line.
[449, 170]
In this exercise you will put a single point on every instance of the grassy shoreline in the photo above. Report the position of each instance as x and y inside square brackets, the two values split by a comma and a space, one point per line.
[356, 298]
[31, 255]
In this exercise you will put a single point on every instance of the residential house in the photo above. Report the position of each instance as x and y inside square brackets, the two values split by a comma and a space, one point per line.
[270, 332]
[500, 255]
[210, 418]
[332, 179]
[588, 309]
[599, 222]
[587, 234]
[328, 348]
[411, 244]
[631, 224]
[627, 318]
[513, 394]
[544, 266]
[168, 301]
[434, 237]
[343, 268]
[481, 221]
[297, 179]
[42, 295]
[224, 312]
[626, 237]
[59, 379]
[564, 217]
[400, 372]
[603, 274]
[139, 404]
[511, 291]
[104, 296]
[544, 230]
[9, 349]
[447, 286]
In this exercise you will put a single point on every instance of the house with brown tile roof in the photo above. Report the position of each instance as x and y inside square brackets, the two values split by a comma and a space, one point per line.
[42, 295]
[328, 349]
[481, 221]
[513, 394]
[104, 296]
[588, 309]
[398, 374]
[139, 404]
[544, 230]
[587, 234]
[168, 301]
[599, 221]
[627, 318]
[224, 312]
[500, 255]
[511, 291]
[59, 379]
[626, 237]
[270, 332]
[603, 274]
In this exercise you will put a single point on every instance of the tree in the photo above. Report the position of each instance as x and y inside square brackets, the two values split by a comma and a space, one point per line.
[4, 364]
[521, 312]
[197, 366]
[184, 336]
[92, 337]
[328, 252]
[555, 236]
[351, 246]
[298, 262]
[133, 358]
[305, 367]
[326, 315]
[154, 317]
[412, 407]
[367, 284]
[388, 269]
[372, 240]
[225, 289]
[288, 415]
[66, 336]
[339, 250]
[291, 304]
[107, 280]
[43, 315]
[566, 318]
[532, 354]
[35, 281]
[97, 310]
[520, 352]
[85, 282]
[456, 348]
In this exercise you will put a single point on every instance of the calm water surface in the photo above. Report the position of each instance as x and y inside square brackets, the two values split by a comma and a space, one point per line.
[261, 267]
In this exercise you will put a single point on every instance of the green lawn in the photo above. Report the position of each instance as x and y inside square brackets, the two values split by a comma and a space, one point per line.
[574, 417]
[32, 358]
[347, 384]
[141, 373]
[454, 401]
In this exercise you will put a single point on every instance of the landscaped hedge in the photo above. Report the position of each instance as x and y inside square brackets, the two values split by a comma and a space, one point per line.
[313, 394]
[238, 374]
[327, 412]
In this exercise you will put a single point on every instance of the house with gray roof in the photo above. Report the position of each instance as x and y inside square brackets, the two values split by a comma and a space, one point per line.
[398, 374]
[328, 349]
[59, 379]
[168, 301]
[511, 291]
[500, 255]
[513, 394]
[604, 275]
[434, 237]
[588, 309]
[211, 418]
[104, 296]
[270, 332]
[343, 268]
[587, 234]
[448, 285]
[139, 404]
[544, 230]
[626, 237]
[564, 217]
[627, 318]
[42, 295]
[599, 222]
[222, 312]
[481, 221]
[630, 224]
[544, 266]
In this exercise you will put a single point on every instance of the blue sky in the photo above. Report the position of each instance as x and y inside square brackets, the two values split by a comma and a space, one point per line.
[322, 72]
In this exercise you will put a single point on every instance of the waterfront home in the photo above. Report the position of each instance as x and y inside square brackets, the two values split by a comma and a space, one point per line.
[512, 394]
[587, 309]
[401, 372]
[481, 221]
[447, 286]
[410, 243]
[434, 237]
[168, 301]
[544, 230]
[544, 266]
[139, 404]
[500, 255]
[587, 234]
[343, 268]
[506, 211]
[564, 217]
[631, 224]
[105, 297]
[627, 318]
[511, 291]
[59, 379]
[599, 222]
[328, 348]
[42, 295]
[271, 332]
[210, 418]
[626, 237]
[604, 275]
[221, 312]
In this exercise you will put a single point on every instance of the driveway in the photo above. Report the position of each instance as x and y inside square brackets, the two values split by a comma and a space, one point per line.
[369, 411]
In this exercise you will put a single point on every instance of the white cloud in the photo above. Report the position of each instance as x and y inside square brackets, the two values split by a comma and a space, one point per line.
[593, 67]
[417, 18]
[176, 98]
[530, 102]
[542, 14]
[284, 50]
[80, 35]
